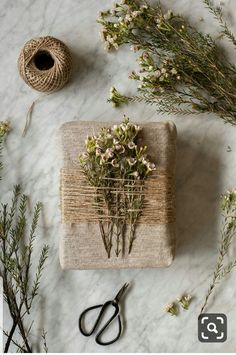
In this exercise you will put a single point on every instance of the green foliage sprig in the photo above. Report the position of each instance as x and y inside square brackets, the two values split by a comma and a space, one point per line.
[228, 234]
[117, 167]
[182, 70]
[16, 253]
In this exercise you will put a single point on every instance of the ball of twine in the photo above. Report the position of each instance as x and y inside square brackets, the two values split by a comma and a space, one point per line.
[45, 64]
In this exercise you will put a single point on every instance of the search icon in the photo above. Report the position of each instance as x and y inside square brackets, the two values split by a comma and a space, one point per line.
[211, 327]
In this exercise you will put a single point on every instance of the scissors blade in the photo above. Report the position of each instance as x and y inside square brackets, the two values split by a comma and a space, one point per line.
[121, 292]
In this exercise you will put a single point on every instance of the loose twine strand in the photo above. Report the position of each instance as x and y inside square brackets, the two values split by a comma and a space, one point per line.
[30, 113]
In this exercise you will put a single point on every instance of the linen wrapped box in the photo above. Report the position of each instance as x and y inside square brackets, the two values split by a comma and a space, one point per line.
[81, 245]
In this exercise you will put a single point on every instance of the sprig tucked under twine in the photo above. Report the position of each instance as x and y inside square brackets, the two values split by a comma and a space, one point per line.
[116, 166]
[82, 202]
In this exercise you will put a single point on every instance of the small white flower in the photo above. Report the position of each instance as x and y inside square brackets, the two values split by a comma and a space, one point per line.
[111, 40]
[163, 70]
[128, 18]
[84, 155]
[120, 148]
[124, 127]
[103, 159]
[144, 161]
[98, 152]
[135, 174]
[168, 15]
[157, 73]
[137, 128]
[103, 35]
[114, 163]
[151, 166]
[173, 71]
[117, 147]
[109, 152]
[131, 162]
[135, 13]
[131, 145]
[168, 307]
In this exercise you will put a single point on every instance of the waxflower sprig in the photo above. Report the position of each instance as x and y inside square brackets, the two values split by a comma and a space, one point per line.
[182, 70]
[117, 166]
[172, 309]
[228, 234]
[184, 301]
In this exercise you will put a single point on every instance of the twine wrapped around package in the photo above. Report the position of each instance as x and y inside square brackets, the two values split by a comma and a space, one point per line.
[45, 64]
[81, 245]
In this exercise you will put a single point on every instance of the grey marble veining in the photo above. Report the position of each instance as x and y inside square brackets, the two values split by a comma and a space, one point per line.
[204, 171]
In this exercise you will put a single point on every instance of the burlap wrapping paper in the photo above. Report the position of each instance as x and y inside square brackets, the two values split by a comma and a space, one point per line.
[81, 245]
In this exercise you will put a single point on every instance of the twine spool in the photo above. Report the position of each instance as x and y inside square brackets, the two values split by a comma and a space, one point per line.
[45, 64]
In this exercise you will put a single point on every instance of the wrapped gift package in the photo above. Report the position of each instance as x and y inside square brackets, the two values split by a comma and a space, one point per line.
[81, 245]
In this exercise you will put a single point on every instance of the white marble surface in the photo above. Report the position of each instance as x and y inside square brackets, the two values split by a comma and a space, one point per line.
[205, 170]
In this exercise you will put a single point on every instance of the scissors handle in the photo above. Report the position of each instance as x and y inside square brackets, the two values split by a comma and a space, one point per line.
[97, 321]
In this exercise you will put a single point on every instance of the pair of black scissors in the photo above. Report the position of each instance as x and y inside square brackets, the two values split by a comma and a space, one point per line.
[114, 303]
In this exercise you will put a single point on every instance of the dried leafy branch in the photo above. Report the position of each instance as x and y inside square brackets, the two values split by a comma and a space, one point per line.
[16, 255]
[116, 166]
[228, 234]
[182, 70]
